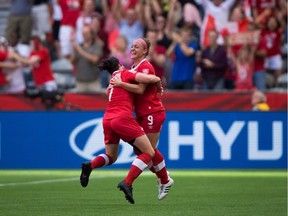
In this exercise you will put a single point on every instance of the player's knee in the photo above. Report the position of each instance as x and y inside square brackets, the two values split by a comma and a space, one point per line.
[151, 152]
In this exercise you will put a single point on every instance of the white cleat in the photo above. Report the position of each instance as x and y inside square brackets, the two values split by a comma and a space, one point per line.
[164, 189]
[159, 182]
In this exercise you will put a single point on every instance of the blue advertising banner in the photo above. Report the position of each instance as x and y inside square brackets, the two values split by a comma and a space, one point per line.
[189, 140]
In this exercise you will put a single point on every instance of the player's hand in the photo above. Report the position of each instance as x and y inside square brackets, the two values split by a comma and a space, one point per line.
[160, 88]
[116, 81]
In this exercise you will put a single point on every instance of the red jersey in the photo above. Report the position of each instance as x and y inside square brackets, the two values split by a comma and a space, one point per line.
[70, 10]
[42, 72]
[150, 101]
[244, 77]
[3, 57]
[260, 61]
[121, 101]
[272, 39]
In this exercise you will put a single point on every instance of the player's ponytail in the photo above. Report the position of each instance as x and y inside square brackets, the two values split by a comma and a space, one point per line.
[110, 64]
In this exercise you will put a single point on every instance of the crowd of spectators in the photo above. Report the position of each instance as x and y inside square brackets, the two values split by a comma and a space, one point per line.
[203, 45]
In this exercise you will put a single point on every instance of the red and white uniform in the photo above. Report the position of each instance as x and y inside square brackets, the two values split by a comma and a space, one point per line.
[3, 57]
[120, 100]
[149, 109]
[118, 121]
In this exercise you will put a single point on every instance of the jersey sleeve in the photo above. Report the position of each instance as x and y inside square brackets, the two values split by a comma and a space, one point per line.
[130, 76]
[146, 68]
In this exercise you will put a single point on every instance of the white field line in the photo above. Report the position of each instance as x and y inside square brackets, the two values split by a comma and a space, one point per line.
[146, 173]
[39, 182]
[48, 181]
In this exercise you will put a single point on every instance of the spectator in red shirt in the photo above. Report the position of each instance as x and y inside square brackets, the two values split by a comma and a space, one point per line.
[71, 10]
[273, 35]
[238, 15]
[244, 65]
[3, 56]
[13, 76]
[40, 61]
[263, 9]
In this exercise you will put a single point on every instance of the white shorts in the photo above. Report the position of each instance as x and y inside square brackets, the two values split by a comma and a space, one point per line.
[65, 33]
[41, 20]
[274, 62]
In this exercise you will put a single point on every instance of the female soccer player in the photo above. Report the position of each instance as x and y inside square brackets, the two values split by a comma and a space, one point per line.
[118, 123]
[150, 111]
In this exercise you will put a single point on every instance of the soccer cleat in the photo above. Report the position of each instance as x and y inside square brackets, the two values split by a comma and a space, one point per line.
[86, 170]
[159, 182]
[164, 189]
[127, 191]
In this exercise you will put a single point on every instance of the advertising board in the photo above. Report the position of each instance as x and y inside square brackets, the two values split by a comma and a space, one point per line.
[189, 140]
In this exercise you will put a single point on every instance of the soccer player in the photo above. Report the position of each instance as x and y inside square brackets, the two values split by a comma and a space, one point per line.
[118, 123]
[150, 112]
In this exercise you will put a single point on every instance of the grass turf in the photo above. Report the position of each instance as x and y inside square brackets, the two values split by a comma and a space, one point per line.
[199, 193]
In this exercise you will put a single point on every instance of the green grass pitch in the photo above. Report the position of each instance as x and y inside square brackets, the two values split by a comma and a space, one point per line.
[195, 193]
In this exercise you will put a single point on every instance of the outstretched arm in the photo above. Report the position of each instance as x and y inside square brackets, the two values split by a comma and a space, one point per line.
[143, 79]
[33, 60]
[8, 65]
[146, 78]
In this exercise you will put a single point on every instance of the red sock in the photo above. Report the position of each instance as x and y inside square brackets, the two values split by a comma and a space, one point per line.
[137, 167]
[159, 167]
[158, 162]
[150, 166]
[101, 160]
[152, 169]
